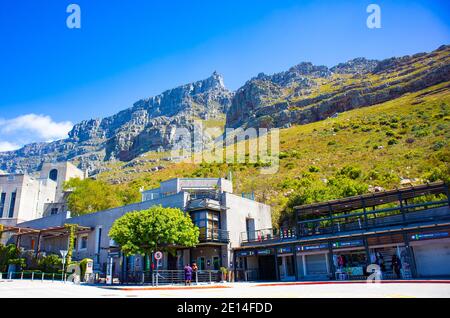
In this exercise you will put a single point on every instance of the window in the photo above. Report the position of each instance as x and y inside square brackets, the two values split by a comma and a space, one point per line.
[54, 211]
[53, 175]
[2, 203]
[83, 242]
[201, 263]
[12, 205]
[208, 221]
[216, 263]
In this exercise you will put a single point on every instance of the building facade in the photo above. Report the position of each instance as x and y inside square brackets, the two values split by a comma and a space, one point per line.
[406, 232]
[25, 197]
[220, 215]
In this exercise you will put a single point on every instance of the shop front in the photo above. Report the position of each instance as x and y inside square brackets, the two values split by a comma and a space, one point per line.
[431, 253]
[312, 262]
[350, 259]
[286, 263]
[267, 270]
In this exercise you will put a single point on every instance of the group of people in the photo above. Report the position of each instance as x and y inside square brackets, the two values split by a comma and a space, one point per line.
[395, 263]
[190, 273]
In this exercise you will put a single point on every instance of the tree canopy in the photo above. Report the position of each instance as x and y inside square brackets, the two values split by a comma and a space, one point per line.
[88, 196]
[157, 228]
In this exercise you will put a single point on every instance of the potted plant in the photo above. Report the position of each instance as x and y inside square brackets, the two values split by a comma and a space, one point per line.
[224, 272]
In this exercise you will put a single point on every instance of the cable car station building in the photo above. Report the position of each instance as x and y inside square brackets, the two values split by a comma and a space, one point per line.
[338, 239]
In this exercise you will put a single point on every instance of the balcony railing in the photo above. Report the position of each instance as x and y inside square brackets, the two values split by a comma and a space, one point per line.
[213, 235]
[372, 219]
[271, 234]
[356, 221]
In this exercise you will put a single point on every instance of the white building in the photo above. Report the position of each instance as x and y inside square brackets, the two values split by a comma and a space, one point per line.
[24, 197]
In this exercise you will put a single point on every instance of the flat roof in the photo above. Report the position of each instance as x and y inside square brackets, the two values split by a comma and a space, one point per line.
[372, 199]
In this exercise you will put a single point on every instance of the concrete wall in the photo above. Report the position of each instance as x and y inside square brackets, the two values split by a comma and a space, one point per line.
[66, 171]
[103, 220]
[239, 210]
[235, 219]
[31, 196]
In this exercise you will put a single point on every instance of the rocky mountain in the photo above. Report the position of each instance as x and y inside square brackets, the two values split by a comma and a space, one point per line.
[150, 124]
[305, 93]
[308, 93]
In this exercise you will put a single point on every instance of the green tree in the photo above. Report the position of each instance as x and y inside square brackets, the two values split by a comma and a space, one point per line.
[88, 196]
[154, 229]
[8, 254]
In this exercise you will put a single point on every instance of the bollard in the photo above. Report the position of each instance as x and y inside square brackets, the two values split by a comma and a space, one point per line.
[153, 279]
[53, 278]
[210, 279]
[32, 276]
[21, 276]
[42, 278]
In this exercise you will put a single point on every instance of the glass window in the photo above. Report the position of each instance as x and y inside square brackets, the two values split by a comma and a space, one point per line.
[12, 205]
[2, 203]
[216, 263]
[83, 243]
[53, 175]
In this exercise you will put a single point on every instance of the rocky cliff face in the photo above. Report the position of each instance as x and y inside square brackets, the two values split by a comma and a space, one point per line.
[307, 93]
[302, 94]
[149, 125]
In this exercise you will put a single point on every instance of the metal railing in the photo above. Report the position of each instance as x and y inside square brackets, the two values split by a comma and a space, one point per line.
[33, 276]
[390, 216]
[174, 277]
[214, 235]
[358, 220]
[284, 233]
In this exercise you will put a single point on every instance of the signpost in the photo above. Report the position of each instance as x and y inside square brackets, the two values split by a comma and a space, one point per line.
[63, 254]
[158, 256]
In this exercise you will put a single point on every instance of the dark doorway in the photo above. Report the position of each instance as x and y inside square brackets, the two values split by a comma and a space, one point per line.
[266, 265]
[171, 262]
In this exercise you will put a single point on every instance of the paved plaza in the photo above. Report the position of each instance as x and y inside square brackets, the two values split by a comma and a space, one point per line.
[38, 289]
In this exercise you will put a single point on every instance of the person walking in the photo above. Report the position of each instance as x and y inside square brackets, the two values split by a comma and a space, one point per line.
[194, 271]
[396, 266]
[187, 275]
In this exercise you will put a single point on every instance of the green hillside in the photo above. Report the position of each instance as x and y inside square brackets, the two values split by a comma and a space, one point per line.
[377, 146]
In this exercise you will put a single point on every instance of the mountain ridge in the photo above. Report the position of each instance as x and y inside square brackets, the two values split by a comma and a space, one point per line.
[304, 93]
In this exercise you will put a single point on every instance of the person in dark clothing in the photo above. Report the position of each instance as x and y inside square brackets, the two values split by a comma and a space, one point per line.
[187, 275]
[396, 266]
[194, 271]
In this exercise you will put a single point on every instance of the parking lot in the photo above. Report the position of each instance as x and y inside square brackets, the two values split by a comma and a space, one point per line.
[46, 289]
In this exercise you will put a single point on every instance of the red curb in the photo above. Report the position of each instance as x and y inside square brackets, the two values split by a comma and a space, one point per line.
[359, 282]
[171, 288]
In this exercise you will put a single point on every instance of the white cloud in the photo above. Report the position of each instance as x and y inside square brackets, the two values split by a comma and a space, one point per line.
[7, 146]
[29, 128]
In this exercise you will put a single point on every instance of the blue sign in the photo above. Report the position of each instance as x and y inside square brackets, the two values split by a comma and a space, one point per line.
[245, 253]
[427, 236]
[284, 250]
[348, 244]
[303, 248]
[264, 252]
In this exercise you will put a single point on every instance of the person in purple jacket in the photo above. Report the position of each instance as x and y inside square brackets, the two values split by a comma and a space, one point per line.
[187, 275]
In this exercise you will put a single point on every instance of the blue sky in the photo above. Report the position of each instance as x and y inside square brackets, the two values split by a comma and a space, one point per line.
[52, 76]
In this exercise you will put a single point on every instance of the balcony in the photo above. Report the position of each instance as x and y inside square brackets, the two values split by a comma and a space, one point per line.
[213, 236]
[269, 235]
